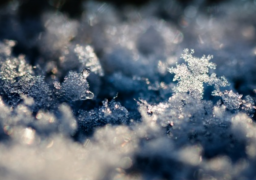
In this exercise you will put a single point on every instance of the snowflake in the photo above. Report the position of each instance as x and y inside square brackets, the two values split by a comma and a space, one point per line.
[192, 75]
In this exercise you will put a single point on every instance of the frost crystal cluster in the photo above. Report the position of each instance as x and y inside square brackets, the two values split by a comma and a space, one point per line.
[94, 90]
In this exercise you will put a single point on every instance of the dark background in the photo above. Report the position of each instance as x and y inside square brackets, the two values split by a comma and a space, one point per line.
[74, 7]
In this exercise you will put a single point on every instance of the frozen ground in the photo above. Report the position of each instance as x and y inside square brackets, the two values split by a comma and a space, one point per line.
[164, 90]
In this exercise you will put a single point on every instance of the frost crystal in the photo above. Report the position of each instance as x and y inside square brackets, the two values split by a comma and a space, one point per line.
[192, 75]
[110, 113]
[89, 59]
[231, 100]
[14, 68]
[75, 87]
[234, 101]
[113, 113]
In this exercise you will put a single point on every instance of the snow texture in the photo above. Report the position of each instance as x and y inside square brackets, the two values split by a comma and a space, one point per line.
[162, 91]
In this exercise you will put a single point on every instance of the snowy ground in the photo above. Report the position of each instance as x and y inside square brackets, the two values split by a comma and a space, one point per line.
[164, 90]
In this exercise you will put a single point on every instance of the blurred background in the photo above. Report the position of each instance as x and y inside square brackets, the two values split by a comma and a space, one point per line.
[74, 7]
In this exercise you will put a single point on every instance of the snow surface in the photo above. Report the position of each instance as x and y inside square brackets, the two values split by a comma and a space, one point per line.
[161, 91]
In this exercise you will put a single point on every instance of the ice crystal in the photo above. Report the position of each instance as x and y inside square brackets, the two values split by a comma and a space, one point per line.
[89, 59]
[14, 68]
[110, 113]
[195, 73]
[75, 87]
